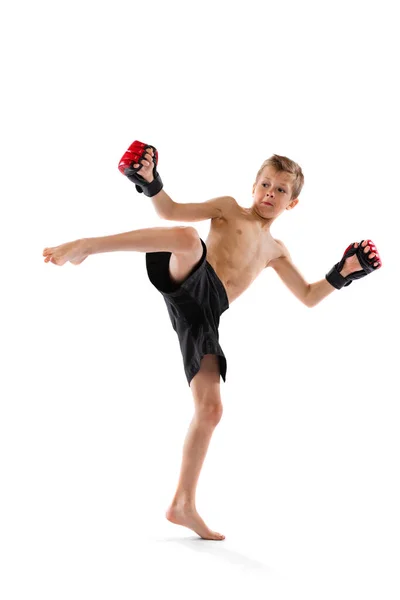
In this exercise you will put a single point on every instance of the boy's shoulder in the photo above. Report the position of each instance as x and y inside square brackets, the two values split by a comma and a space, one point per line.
[282, 253]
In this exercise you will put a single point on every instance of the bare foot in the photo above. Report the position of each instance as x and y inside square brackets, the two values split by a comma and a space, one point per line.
[75, 252]
[186, 515]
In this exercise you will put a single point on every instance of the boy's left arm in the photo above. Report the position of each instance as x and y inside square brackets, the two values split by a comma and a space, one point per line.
[358, 260]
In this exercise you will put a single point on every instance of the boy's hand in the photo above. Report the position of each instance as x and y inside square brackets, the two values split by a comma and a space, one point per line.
[146, 171]
[139, 164]
[355, 264]
[352, 264]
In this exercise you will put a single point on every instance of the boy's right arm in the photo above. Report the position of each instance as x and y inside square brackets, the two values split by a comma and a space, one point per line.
[165, 207]
[163, 204]
[199, 211]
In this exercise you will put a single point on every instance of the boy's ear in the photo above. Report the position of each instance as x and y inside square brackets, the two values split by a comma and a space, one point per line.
[293, 203]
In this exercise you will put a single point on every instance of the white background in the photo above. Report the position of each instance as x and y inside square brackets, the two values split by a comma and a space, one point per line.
[302, 471]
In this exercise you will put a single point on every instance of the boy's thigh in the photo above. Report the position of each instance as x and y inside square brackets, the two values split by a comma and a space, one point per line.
[205, 385]
[182, 263]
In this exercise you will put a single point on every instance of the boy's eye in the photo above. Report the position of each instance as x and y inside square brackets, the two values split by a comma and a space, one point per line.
[278, 188]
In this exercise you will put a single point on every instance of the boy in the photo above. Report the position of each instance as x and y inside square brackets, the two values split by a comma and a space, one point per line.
[199, 281]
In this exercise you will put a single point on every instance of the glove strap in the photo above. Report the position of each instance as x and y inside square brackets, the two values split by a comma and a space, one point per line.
[336, 279]
[149, 189]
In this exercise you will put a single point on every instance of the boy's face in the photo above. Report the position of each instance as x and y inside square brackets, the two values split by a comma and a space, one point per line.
[276, 189]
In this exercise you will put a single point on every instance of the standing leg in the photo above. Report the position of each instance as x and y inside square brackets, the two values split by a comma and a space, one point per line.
[205, 387]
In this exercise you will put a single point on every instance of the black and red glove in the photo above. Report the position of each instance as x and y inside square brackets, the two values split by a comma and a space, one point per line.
[134, 155]
[367, 265]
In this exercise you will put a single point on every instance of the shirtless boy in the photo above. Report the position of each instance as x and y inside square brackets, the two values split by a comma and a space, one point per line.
[199, 281]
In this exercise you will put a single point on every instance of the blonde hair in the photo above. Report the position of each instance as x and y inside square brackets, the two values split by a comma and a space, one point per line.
[285, 165]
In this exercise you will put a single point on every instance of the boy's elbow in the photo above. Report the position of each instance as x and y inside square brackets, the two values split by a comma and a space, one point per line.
[309, 303]
[308, 300]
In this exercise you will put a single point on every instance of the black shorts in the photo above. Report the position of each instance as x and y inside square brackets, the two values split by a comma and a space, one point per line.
[194, 307]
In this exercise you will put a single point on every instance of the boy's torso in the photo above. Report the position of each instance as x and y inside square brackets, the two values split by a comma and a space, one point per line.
[238, 250]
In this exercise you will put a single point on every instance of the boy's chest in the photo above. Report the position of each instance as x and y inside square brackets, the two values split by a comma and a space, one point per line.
[242, 243]
[238, 252]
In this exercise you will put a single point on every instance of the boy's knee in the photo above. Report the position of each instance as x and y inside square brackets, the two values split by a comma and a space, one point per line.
[210, 412]
[192, 236]
[188, 237]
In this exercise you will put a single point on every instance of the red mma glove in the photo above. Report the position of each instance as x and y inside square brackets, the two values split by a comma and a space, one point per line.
[134, 155]
[364, 262]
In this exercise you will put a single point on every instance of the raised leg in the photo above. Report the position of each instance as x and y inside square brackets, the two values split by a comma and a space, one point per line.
[183, 242]
[205, 387]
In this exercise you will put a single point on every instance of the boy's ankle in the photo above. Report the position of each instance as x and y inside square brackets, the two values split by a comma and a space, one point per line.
[87, 245]
[183, 500]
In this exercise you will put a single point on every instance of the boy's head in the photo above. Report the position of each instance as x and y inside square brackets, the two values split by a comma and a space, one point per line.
[279, 181]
